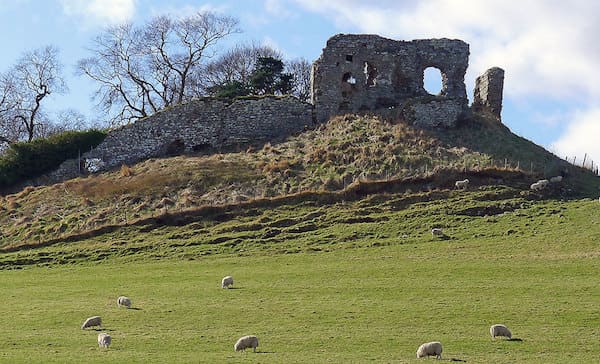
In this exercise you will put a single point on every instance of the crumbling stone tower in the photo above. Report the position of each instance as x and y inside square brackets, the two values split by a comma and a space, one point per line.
[487, 96]
[358, 73]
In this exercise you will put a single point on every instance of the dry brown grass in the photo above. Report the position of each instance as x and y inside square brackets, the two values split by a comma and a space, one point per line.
[333, 157]
[277, 166]
[126, 171]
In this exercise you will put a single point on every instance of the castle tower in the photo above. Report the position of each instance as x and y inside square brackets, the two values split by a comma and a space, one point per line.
[487, 96]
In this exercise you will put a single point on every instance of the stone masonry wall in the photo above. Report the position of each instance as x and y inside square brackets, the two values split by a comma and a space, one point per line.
[200, 125]
[367, 72]
[487, 96]
[432, 113]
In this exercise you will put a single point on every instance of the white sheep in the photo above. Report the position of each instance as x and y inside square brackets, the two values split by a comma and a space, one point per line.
[462, 184]
[430, 349]
[124, 301]
[540, 185]
[246, 342]
[556, 179]
[500, 330]
[226, 282]
[92, 321]
[536, 187]
[437, 232]
[104, 340]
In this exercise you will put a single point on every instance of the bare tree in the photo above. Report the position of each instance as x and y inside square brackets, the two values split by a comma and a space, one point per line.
[35, 76]
[140, 70]
[237, 64]
[9, 130]
[64, 120]
[301, 70]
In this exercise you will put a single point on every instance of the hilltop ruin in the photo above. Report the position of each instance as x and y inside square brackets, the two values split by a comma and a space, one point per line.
[354, 74]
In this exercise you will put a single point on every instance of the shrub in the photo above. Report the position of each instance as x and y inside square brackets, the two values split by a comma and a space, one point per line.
[24, 161]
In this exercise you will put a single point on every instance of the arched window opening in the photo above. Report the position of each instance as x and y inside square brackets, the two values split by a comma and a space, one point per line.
[432, 80]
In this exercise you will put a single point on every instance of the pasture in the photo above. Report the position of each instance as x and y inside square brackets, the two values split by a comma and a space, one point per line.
[536, 270]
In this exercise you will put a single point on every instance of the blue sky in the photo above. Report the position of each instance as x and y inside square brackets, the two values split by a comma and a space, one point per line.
[547, 47]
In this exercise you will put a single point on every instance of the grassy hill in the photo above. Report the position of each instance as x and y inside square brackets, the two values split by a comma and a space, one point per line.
[337, 156]
[328, 238]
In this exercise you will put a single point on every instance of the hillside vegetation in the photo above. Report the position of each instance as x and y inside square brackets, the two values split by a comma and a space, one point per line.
[336, 156]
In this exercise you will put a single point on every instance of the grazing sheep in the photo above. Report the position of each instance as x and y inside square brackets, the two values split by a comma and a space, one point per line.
[536, 187]
[500, 330]
[462, 184]
[124, 301]
[540, 185]
[556, 179]
[430, 349]
[226, 282]
[246, 342]
[92, 321]
[437, 232]
[104, 340]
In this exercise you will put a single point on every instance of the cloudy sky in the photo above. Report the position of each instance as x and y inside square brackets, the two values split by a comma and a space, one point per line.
[546, 47]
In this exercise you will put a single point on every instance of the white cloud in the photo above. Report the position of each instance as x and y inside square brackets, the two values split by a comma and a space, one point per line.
[278, 9]
[184, 11]
[100, 11]
[581, 137]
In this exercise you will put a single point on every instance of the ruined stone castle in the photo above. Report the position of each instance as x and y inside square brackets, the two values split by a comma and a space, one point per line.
[354, 74]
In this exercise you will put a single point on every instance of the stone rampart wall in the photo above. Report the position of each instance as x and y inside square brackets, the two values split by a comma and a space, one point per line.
[204, 125]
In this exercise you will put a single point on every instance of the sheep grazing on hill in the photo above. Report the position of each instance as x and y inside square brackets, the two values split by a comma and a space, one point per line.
[540, 185]
[462, 184]
[437, 232]
[246, 342]
[500, 330]
[430, 349]
[104, 340]
[92, 321]
[227, 282]
[556, 179]
[124, 301]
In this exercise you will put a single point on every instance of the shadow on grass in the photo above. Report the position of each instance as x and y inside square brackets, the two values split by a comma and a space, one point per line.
[136, 309]
[515, 339]
[455, 359]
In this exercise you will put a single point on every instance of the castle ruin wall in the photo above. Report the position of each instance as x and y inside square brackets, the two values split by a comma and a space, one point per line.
[200, 125]
[358, 73]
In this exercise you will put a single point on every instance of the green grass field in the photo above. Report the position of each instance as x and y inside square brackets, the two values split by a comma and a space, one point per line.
[342, 290]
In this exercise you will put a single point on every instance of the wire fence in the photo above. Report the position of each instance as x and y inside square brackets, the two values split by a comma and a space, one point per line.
[585, 162]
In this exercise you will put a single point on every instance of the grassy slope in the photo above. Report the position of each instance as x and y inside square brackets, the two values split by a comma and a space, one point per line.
[352, 291]
[332, 157]
[321, 277]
